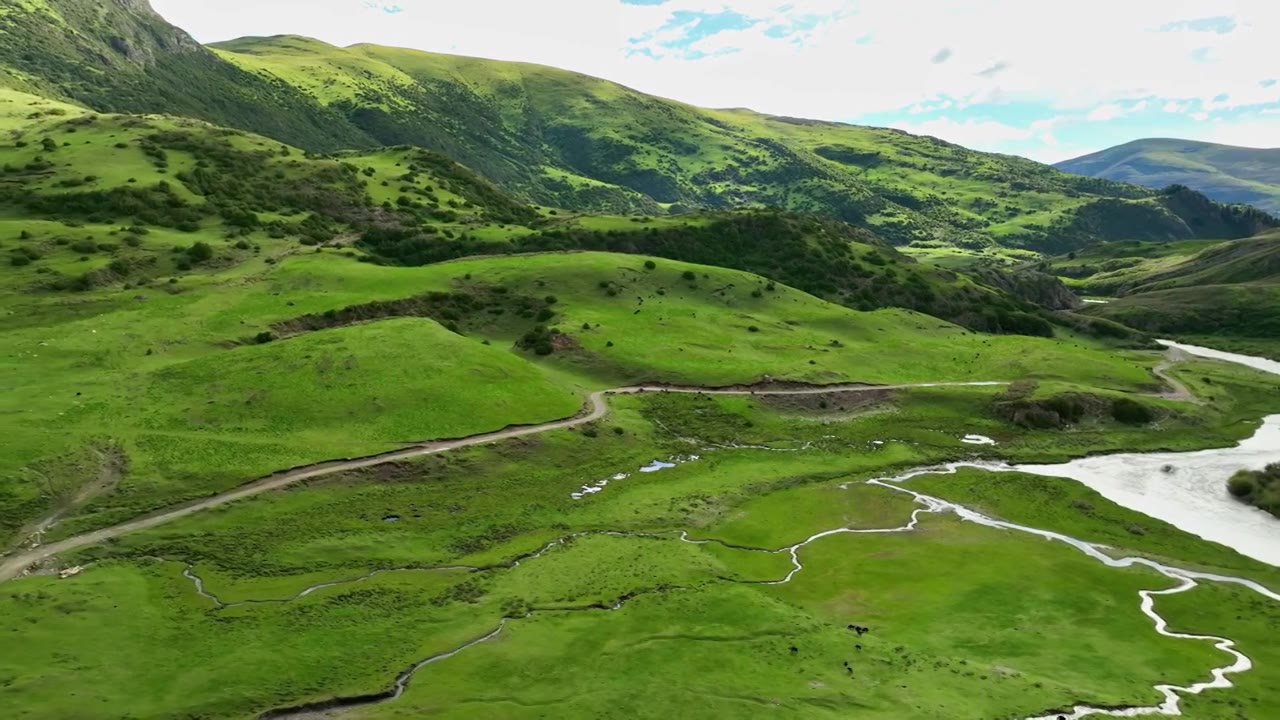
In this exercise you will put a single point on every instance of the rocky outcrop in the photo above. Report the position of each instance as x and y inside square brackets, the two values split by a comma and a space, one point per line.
[1032, 286]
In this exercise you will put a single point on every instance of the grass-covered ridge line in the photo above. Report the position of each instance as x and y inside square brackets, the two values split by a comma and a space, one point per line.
[224, 196]
[587, 135]
[562, 139]
[1223, 172]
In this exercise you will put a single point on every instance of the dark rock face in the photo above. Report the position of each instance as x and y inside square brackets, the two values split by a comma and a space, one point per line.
[1036, 287]
[147, 34]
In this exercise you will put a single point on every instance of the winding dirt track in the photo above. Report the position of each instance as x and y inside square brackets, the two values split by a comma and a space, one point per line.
[596, 408]
[1177, 390]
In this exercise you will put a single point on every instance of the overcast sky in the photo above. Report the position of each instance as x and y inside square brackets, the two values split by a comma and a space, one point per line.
[1048, 81]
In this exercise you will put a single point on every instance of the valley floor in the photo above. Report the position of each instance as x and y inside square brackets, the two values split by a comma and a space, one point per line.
[678, 548]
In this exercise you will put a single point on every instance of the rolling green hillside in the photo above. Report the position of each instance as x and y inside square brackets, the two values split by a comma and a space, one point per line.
[561, 139]
[1226, 173]
[99, 200]
[1224, 293]
[259, 361]
[120, 56]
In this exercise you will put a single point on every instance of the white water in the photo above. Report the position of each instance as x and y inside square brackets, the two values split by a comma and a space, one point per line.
[1193, 495]
[1257, 363]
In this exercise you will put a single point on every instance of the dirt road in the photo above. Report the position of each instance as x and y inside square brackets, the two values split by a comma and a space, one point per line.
[16, 565]
[1177, 390]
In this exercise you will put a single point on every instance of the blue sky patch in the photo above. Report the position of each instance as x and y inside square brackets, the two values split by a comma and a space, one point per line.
[1221, 25]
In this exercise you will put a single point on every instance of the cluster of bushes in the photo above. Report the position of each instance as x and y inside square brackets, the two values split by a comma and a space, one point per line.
[454, 310]
[540, 339]
[156, 205]
[1260, 488]
[1064, 410]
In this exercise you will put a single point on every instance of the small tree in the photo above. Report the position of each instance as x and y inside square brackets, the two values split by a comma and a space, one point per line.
[1241, 484]
[200, 252]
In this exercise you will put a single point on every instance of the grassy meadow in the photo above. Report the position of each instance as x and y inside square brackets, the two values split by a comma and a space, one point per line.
[959, 615]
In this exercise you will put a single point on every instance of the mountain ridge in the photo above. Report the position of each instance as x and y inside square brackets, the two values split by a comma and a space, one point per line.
[563, 139]
[1226, 173]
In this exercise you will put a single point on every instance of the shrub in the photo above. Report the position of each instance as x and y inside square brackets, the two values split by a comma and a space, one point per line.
[1241, 484]
[650, 265]
[753, 329]
[200, 252]
[690, 275]
[1131, 412]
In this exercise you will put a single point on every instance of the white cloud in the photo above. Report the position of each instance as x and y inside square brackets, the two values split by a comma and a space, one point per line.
[972, 133]
[1112, 111]
[1248, 133]
[1103, 113]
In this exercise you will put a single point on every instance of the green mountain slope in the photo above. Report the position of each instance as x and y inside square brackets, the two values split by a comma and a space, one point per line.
[1224, 293]
[100, 200]
[120, 56]
[562, 139]
[1226, 173]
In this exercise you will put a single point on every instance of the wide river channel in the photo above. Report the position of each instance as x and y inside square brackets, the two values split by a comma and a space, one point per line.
[1189, 489]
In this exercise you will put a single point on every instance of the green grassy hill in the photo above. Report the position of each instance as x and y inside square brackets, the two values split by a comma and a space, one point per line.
[121, 56]
[101, 200]
[232, 372]
[1224, 293]
[561, 139]
[1226, 173]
